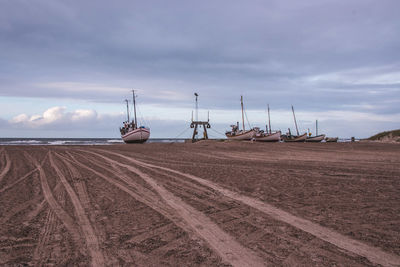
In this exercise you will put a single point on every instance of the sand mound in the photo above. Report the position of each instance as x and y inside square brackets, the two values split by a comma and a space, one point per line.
[389, 136]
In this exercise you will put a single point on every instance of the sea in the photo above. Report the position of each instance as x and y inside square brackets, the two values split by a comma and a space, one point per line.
[79, 141]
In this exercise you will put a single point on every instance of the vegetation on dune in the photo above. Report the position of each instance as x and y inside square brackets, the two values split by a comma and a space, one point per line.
[388, 135]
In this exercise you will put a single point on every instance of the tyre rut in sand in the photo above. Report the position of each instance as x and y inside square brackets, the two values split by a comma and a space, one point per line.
[374, 254]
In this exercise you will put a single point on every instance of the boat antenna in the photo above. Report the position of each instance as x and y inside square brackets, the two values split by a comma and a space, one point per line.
[241, 102]
[134, 107]
[295, 121]
[197, 107]
[127, 108]
[269, 120]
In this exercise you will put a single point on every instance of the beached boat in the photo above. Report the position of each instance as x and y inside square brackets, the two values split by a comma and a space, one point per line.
[240, 134]
[236, 134]
[268, 135]
[317, 138]
[131, 132]
[331, 139]
[294, 138]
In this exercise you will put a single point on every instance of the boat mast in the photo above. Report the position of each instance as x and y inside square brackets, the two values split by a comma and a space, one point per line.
[134, 107]
[295, 121]
[241, 102]
[127, 109]
[197, 107]
[316, 127]
[269, 121]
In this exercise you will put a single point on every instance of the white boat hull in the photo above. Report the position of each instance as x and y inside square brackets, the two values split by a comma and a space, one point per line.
[318, 138]
[273, 137]
[139, 135]
[331, 139]
[299, 138]
[248, 135]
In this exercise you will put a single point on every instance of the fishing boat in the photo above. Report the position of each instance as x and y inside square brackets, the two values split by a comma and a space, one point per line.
[317, 138]
[331, 139]
[294, 138]
[130, 131]
[236, 134]
[268, 135]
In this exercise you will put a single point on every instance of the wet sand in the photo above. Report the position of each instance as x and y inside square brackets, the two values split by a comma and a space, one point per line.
[208, 203]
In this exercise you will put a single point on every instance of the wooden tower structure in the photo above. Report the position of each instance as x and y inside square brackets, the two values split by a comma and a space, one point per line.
[195, 124]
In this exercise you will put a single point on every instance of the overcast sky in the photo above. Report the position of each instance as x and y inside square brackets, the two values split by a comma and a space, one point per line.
[67, 66]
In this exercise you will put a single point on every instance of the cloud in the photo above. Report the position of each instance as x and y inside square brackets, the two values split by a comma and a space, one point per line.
[56, 117]
[382, 75]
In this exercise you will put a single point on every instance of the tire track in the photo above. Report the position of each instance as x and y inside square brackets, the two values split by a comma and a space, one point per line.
[40, 255]
[82, 192]
[24, 176]
[35, 212]
[138, 192]
[373, 254]
[8, 164]
[55, 206]
[187, 184]
[135, 190]
[17, 209]
[222, 243]
[92, 242]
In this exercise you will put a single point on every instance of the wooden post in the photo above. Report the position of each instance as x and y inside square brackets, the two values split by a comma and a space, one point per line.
[205, 131]
[127, 109]
[134, 108]
[295, 122]
[269, 121]
[241, 102]
[194, 133]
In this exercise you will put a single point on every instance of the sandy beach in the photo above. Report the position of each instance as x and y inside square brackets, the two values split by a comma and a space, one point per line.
[203, 204]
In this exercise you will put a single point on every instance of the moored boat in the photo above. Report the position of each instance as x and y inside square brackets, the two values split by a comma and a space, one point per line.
[316, 139]
[236, 134]
[268, 135]
[294, 138]
[131, 132]
[331, 139]
[138, 135]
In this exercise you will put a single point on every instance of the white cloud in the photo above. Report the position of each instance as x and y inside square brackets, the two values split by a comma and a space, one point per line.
[79, 87]
[21, 118]
[54, 116]
[83, 114]
[51, 115]
[377, 75]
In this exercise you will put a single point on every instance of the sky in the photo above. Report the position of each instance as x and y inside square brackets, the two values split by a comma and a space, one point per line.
[66, 67]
